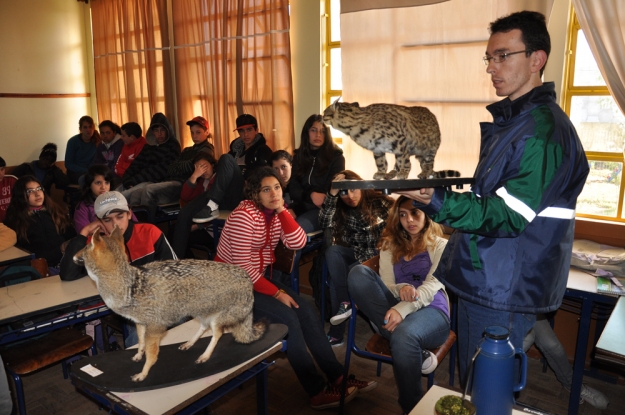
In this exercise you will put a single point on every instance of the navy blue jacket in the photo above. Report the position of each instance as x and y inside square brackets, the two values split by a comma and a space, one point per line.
[514, 231]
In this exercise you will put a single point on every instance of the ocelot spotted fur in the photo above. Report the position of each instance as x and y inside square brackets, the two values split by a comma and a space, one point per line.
[389, 128]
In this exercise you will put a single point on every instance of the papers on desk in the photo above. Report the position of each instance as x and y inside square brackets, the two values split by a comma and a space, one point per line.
[610, 285]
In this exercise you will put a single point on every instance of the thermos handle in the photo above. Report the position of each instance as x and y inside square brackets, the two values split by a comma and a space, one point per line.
[521, 384]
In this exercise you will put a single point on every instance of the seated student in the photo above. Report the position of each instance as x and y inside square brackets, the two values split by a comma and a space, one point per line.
[81, 149]
[153, 161]
[96, 182]
[144, 242]
[549, 345]
[282, 163]
[6, 189]
[110, 147]
[201, 180]
[225, 190]
[357, 218]
[248, 240]
[44, 169]
[315, 163]
[405, 303]
[181, 169]
[133, 145]
[42, 226]
[249, 151]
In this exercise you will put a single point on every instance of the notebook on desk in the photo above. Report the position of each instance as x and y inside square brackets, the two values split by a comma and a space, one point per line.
[611, 285]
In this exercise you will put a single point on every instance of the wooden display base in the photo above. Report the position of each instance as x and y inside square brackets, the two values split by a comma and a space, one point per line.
[173, 366]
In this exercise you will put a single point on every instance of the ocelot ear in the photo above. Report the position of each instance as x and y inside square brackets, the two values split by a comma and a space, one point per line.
[334, 104]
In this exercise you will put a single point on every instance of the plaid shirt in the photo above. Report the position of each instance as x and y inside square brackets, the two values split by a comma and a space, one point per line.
[357, 233]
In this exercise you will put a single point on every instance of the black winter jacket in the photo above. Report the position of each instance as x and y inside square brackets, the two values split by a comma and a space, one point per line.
[54, 175]
[181, 169]
[257, 155]
[152, 164]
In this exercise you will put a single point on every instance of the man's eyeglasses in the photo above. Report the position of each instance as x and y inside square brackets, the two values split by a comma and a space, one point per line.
[31, 191]
[501, 57]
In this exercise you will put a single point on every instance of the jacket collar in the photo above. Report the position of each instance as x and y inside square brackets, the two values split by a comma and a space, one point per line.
[506, 109]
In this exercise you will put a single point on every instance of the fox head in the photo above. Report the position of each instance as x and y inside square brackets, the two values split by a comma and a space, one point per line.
[104, 254]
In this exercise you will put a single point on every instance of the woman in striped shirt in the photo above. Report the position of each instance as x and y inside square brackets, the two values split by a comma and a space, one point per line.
[248, 240]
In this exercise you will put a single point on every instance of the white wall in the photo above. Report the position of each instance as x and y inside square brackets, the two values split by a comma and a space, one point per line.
[43, 49]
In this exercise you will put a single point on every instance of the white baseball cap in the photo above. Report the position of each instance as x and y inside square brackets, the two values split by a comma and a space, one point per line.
[109, 202]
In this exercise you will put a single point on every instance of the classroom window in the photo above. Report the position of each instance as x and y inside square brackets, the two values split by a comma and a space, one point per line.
[601, 128]
[333, 79]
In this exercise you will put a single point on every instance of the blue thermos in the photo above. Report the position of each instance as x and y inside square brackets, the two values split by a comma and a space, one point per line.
[493, 379]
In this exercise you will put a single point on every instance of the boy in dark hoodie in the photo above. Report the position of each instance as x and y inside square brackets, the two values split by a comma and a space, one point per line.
[181, 169]
[44, 169]
[152, 163]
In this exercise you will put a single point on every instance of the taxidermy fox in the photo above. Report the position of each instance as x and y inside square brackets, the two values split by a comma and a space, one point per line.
[158, 295]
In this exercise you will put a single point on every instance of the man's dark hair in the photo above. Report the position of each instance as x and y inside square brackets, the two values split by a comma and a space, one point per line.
[2, 162]
[132, 128]
[533, 27]
[279, 155]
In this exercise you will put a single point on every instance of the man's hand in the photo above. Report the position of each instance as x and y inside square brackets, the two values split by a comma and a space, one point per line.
[392, 318]
[199, 170]
[423, 195]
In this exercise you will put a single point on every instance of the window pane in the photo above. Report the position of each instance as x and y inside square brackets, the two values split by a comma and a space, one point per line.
[586, 70]
[599, 123]
[601, 191]
[336, 82]
[335, 21]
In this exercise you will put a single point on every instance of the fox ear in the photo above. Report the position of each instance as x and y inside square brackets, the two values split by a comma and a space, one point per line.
[96, 238]
[117, 234]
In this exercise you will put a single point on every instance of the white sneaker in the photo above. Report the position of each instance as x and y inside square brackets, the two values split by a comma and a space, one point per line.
[429, 362]
[345, 312]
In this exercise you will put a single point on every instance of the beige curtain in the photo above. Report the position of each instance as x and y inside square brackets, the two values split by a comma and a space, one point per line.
[233, 57]
[428, 56]
[603, 23]
[132, 70]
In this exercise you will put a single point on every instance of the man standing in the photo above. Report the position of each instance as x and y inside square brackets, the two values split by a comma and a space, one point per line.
[509, 257]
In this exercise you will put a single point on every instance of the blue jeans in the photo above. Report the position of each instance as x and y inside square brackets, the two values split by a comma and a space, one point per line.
[426, 328]
[474, 318]
[340, 260]
[305, 333]
[309, 220]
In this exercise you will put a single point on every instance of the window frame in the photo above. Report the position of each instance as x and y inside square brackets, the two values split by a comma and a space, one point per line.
[570, 91]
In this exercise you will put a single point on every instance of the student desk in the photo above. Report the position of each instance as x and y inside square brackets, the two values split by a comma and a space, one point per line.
[611, 345]
[583, 286]
[190, 397]
[32, 298]
[14, 254]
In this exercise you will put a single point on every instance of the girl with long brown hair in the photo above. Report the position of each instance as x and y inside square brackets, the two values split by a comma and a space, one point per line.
[405, 303]
[42, 226]
[357, 218]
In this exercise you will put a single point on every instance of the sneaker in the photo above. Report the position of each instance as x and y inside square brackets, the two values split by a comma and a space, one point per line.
[361, 385]
[345, 311]
[330, 397]
[334, 342]
[593, 397]
[429, 362]
[206, 215]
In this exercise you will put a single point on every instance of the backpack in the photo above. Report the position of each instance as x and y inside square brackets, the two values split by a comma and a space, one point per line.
[16, 274]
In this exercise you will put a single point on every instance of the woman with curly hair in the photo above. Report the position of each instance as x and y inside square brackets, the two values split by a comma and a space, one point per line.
[357, 218]
[405, 303]
[42, 226]
[248, 240]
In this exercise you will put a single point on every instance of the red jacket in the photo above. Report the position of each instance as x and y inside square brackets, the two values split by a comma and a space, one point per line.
[128, 155]
[191, 191]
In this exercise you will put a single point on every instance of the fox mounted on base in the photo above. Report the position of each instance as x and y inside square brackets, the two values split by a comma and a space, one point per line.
[158, 295]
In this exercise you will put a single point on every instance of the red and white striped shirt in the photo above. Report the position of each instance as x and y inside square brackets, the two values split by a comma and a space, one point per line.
[249, 242]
